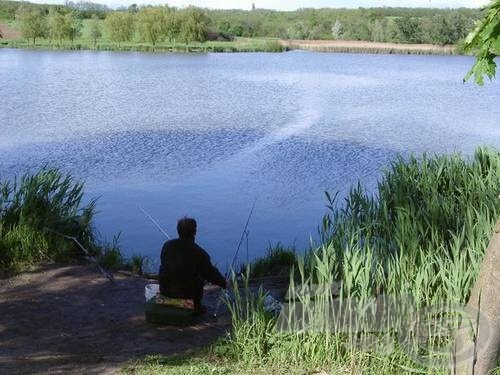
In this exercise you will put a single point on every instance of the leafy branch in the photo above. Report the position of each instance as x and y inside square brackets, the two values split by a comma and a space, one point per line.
[484, 42]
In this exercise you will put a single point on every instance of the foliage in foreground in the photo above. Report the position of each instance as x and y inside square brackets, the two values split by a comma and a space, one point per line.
[419, 240]
[36, 210]
[484, 40]
[34, 206]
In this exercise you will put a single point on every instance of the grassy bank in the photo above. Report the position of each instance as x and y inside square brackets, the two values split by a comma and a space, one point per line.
[419, 241]
[36, 210]
[238, 45]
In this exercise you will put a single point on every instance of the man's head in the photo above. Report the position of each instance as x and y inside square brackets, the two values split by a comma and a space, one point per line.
[186, 227]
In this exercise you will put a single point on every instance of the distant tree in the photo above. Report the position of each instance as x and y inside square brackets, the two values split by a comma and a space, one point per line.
[133, 8]
[459, 24]
[298, 31]
[171, 24]
[378, 34]
[193, 25]
[63, 26]
[428, 30]
[408, 30]
[224, 26]
[357, 24]
[236, 30]
[86, 8]
[337, 30]
[73, 27]
[120, 26]
[391, 31]
[357, 29]
[151, 24]
[56, 25]
[31, 23]
[449, 28]
[95, 29]
[319, 31]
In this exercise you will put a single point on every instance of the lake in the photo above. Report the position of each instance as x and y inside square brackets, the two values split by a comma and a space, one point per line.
[207, 135]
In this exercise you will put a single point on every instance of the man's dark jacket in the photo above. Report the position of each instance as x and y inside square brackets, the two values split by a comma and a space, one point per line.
[184, 268]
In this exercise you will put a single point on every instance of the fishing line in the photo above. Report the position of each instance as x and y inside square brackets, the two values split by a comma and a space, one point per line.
[154, 222]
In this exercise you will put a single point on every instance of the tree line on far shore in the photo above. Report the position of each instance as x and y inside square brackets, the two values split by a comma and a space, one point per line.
[163, 23]
[151, 24]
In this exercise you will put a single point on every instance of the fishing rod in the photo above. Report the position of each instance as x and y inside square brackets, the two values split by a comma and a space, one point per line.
[154, 222]
[106, 274]
[224, 292]
[235, 257]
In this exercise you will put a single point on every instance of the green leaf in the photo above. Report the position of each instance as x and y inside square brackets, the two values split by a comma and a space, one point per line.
[485, 39]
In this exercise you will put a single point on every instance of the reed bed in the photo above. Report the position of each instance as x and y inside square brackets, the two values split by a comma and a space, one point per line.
[384, 292]
[370, 47]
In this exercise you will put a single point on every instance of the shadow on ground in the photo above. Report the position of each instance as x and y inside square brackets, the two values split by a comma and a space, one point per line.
[71, 319]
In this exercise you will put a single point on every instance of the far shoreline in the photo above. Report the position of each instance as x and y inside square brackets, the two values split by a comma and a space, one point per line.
[246, 45]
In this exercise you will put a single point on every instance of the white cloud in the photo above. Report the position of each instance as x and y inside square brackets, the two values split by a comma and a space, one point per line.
[295, 4]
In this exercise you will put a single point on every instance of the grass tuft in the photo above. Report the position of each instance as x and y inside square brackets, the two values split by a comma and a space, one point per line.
[277, 260]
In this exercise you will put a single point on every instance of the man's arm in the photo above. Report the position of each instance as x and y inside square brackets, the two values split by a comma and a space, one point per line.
[208, 271]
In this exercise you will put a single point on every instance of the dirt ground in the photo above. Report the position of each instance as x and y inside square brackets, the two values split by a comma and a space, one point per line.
[71, 319]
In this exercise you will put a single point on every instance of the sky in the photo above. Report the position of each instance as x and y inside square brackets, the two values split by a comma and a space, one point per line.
[291, 4]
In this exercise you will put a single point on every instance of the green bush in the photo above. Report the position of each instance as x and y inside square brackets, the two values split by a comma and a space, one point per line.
[33, 210]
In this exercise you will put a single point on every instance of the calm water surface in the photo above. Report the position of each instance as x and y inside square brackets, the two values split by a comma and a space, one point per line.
[206, 135]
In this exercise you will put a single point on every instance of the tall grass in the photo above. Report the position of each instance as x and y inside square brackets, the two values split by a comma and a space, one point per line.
[32, 208]
[425, 230]
[418, 241]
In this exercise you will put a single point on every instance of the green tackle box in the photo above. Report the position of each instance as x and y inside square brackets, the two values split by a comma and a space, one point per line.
[168, 315]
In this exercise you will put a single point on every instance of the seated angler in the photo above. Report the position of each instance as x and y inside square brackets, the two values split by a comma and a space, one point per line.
[185, 266]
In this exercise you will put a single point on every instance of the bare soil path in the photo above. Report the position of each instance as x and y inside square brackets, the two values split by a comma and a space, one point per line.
[71, 319]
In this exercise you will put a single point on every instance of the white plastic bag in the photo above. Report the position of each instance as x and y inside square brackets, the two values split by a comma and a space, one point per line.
[151, 290]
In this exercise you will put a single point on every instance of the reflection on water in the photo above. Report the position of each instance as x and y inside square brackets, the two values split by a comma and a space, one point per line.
[205, 135]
